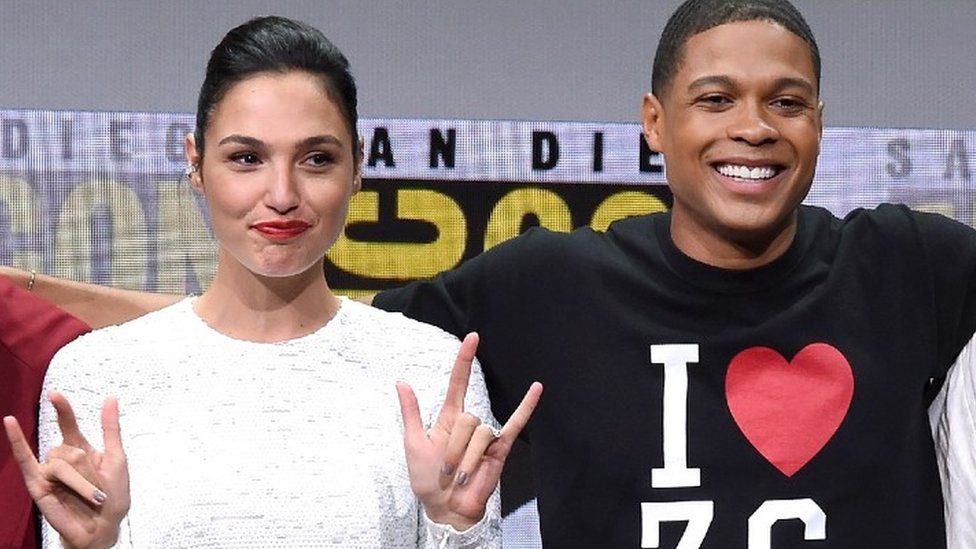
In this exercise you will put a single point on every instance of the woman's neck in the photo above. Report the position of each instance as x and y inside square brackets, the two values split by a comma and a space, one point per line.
[244, 305]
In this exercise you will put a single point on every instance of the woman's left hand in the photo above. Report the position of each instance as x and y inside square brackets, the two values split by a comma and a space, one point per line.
[455, 466]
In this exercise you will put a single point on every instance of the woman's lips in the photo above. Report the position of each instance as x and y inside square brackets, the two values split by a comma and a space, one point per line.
[281, 230]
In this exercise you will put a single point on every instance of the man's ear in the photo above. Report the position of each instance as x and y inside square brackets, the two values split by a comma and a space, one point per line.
[192, 162]
[652, 118]
[820, 122]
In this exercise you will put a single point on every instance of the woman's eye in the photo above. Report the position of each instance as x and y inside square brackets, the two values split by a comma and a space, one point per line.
[245, 158]
[319, 160]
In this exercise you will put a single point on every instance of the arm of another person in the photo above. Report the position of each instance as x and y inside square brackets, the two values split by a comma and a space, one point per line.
[950, 253]
[97, 306]
[32, 330]
[953, 418]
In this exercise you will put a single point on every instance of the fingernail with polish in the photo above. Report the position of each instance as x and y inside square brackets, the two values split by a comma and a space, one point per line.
[448, 469]
[462, 478]
[99, 496]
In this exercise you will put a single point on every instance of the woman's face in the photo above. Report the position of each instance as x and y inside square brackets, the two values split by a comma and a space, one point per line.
[277, 172]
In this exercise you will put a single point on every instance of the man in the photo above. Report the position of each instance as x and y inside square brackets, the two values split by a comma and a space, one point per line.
[741, 371]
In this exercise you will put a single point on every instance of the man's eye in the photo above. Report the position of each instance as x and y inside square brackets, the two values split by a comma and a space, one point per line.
[715, 101]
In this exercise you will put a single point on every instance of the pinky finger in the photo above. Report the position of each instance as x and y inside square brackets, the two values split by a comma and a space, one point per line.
[57, 470]
[520, 417]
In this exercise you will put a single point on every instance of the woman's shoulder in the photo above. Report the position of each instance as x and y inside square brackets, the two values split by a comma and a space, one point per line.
[390, 324]
[141, 334]
[392, 336]
[400, 348]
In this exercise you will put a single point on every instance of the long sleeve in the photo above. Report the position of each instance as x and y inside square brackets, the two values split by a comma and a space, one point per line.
[484, 534]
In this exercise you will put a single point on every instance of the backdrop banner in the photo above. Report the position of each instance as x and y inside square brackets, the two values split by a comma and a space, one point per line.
[100, 196]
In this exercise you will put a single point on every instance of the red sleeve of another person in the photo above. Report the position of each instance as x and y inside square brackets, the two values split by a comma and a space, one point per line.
[31, 332]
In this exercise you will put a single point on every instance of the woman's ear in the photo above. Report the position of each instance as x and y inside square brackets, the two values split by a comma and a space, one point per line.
[192, 162]
[358, 175]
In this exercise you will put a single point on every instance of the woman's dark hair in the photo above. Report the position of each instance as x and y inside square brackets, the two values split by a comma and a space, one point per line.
[276, 44]
[697, 16]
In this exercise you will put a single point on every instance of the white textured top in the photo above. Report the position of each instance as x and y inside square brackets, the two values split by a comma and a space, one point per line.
[234, 443]
[953, 418]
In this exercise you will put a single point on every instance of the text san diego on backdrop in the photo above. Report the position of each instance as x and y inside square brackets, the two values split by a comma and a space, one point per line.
[99, 196]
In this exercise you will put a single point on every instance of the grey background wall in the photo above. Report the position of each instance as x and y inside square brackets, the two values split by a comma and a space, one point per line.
[897, 63]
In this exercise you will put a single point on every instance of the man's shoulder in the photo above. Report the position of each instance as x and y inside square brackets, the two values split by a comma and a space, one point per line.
[900, 221]
[586, 239]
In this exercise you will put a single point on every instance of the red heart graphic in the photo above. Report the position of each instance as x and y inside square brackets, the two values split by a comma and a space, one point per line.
[789, 410]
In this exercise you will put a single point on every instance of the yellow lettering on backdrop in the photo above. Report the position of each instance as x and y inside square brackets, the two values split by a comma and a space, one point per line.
[624, 204]
[185, 244]
[403, 260]
[21, 205]
[72, 241]
[947, 209]
[507, 215]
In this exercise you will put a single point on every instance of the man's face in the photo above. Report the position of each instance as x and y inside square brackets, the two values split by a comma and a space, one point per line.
[739, 126]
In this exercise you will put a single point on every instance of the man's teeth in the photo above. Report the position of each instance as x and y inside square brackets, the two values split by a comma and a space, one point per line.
[745, 172]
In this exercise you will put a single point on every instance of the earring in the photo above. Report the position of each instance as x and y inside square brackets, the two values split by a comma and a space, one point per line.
[189, 169]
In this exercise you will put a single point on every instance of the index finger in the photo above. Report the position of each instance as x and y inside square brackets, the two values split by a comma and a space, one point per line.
[112, 433]
[458, 384]
[413, 426]
[68, 422]
[29, 466]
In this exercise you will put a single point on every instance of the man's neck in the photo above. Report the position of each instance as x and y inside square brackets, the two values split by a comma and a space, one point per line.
[732, 250]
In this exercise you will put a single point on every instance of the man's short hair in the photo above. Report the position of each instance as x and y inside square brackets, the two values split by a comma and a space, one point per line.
[697, 16]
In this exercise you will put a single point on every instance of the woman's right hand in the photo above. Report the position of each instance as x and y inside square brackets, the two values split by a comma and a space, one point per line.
[82, 492]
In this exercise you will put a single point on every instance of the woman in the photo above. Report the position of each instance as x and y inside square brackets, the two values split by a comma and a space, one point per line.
[262, 412]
